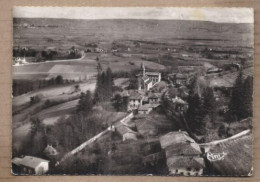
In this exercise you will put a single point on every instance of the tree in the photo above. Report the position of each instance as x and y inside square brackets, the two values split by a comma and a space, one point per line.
[133, 81]
[118, 102]
[247, 97]
[36, 126]
[109, 82]
[195, 114]
[104, 86]
[97, 96]
[35, 99]
[59, 80]
[236, 102]
[209, 103]
[193, 86]
[125, 103]
[85, 104]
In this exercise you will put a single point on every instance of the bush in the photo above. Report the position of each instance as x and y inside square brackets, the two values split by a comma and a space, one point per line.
[35, 99]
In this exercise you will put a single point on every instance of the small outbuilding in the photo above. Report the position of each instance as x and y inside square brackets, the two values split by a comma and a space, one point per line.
[30, 165]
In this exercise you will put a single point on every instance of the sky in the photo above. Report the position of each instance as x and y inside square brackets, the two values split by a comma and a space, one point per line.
[220, 15]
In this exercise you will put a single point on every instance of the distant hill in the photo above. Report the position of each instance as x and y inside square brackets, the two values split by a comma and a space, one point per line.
[232, 34]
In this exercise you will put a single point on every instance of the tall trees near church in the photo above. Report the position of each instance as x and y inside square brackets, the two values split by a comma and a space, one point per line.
[104, 86]
[195, 114]
[209, 103]
[240, 105]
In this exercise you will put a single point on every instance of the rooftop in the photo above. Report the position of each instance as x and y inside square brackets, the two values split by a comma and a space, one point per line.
[135, 95]
[183, 149]
[153, 73]
[238, 150]
[153, 95]
[28, 161]
[178, 100]
[144, 107]
[178, 162]
[180, 76]
[175, 137]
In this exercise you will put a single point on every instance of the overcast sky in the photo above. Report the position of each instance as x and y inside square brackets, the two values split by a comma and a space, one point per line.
[227, 15]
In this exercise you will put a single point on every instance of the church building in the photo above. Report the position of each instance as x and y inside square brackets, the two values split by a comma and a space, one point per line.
[146, 80]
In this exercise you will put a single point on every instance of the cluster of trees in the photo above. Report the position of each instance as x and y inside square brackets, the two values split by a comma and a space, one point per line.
[67, 134]
[104, 86]
[120, 103]
[133, 82]
[86, 103]
[241, 101]
[73, 53]
[199, 108]
[44, 55]
[204, 108]
[23, 86]
[24, 52]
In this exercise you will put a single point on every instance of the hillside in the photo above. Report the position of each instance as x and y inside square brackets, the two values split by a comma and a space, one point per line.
[168, 31]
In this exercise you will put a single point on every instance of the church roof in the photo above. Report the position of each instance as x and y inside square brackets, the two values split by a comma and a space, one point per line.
[153, 73]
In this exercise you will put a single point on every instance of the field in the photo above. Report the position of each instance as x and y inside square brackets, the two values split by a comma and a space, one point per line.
[79, 69]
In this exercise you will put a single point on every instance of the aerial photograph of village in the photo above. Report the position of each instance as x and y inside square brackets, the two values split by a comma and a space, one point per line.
[132, 91]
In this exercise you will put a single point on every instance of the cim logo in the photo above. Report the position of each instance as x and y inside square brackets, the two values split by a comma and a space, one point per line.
[216, 156]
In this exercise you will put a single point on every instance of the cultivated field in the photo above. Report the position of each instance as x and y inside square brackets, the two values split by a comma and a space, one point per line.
[79, 69]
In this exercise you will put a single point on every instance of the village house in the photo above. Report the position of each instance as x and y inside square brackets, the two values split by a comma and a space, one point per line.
[98, 50]
[179, 79]
[145, 109]
[146, 80]
[30, 165]
[179, 104]
[183, 154]
[135, 100]
[153, 98]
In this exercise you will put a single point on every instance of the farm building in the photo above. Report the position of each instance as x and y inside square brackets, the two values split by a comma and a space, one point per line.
[231, 156]
[30, 165]
[183, 154]
[147, 80]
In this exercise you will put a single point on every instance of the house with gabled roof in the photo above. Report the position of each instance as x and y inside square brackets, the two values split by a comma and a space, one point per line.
[135, 100]
[30, 165]
[183, 154]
